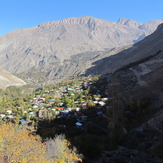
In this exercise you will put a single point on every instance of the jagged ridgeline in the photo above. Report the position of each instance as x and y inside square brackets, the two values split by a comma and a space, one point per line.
[60, 49]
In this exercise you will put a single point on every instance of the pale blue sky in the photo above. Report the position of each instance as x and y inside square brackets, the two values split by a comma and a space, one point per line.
[15, 14]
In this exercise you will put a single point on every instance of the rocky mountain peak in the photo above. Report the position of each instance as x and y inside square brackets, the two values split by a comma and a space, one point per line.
[122, 20]
[128, 22]
[83, 20]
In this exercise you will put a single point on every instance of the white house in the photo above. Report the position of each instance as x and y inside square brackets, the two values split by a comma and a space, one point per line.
[97, 98]
[10, 116]
[61, 104]
[104, 99]
[70, 89]
[34, 107]
[31, 113]
[2, 115]
[77, 109]
[102, 103]
[69, 109]
[9, 111]
[95, 102]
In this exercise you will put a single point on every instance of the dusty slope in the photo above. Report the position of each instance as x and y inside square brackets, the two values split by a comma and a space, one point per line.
[7, 79]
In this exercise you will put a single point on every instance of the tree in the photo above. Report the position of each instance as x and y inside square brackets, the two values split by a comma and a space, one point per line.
[58, 151]
[91, 104]
[68, 102]
[116, 113]
[20, 146]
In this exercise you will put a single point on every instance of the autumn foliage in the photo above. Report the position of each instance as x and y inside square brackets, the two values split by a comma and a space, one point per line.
[58, 151]
[19, 146]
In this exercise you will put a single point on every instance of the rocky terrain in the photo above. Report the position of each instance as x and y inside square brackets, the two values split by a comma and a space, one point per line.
[128, 56]
[53, 48]
[141, 85]
[125, 155]
[7, 79]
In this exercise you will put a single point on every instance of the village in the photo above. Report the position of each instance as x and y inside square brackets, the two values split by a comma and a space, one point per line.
[73, 99]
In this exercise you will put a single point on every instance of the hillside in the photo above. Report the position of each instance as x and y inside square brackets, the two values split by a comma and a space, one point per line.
[138, 84]
[47, 47]
[137, 70]
[144, 49]
[7, 79]
[135, 107]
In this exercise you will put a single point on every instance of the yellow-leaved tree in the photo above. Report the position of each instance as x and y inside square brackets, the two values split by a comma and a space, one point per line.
[19, 146]
[59, 151]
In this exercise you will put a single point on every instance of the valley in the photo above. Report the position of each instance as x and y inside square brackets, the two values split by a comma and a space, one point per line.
[90, 86]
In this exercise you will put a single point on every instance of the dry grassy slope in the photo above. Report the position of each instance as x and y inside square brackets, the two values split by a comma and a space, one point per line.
[50, 43]
[7, 79]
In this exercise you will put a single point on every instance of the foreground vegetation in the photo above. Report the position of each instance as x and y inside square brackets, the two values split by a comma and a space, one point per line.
[84, 113]
[19, 145]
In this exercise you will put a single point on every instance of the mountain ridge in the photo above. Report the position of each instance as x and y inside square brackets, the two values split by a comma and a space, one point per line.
[48, 45]
[131, 54]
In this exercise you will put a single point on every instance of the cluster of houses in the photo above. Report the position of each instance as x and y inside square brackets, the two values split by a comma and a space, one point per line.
[43, 108]
[7, 114]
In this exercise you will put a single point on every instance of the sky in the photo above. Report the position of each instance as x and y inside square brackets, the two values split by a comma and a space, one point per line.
[16, 14]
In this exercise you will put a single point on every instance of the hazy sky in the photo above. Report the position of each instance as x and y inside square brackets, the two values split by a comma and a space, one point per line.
[15, 14]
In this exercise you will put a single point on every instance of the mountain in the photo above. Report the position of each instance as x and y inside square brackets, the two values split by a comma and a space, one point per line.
[136, 87]
[130, 55]
[150, 26]
[52, 47]
[129, 23]
[7, 79]
[138, 69]
[138, 74]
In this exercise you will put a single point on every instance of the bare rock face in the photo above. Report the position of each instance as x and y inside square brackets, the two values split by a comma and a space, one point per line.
[48, 45]
[130, 23]
[7, 79]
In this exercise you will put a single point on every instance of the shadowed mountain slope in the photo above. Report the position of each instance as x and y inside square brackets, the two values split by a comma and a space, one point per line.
[139, 52]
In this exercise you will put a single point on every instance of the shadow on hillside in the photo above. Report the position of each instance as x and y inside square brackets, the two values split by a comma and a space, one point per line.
[123, 59]
[108, 64]
[90, 139]
[93, 137]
